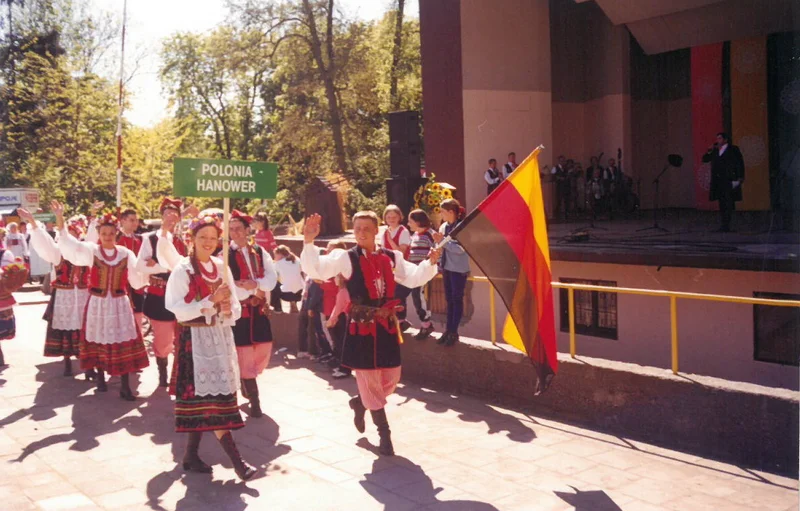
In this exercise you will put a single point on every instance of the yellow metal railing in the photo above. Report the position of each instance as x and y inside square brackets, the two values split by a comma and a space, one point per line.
[673, 307]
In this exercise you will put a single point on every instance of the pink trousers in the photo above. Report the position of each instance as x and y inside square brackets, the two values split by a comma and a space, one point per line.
[163, 338]
[253, 359]
[139, 318]
[374, 385]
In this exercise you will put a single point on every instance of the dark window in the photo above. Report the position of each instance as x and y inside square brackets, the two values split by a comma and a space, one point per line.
[776, 331]
[595, 311]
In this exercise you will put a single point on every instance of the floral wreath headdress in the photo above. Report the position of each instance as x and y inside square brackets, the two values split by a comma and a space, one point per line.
[195, 224]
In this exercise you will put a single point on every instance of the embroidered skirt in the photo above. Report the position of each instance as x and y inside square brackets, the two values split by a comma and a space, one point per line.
[59, 343]
[198, 413]
[8, 325]
[115, 359]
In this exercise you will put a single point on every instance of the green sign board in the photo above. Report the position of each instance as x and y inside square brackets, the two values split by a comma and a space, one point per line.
[45, 217]
[224, 178]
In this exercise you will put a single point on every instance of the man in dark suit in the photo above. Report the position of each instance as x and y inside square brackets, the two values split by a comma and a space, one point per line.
[727, 176]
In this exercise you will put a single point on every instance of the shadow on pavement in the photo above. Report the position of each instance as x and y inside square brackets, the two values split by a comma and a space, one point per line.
[595, 500]
[469, 410]
[424, 492]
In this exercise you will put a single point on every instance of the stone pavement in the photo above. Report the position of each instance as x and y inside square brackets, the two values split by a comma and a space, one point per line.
[62, 447]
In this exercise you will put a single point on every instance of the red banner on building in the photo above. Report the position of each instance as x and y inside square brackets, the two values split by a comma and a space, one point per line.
[706, 114]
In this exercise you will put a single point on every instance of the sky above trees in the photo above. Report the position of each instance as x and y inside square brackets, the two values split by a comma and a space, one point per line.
[151, 21]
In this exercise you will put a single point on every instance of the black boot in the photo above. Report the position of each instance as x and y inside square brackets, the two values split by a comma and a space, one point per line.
[379, 418]
[252, 394]
[444, 338]
[243, 470]
[191, 460]
[67, 366]
[125, 391]
[359, 411]
[162, 372]
[101, 381]
[2, 357]
[90, 375]
[243, 388]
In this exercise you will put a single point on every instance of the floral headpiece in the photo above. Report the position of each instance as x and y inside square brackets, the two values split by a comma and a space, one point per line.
[168, 203]
[108, 219]
[245, 219]
[77, 226]
[198, 223]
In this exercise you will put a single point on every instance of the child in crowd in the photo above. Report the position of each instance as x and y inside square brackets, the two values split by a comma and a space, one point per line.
[309, 332]
[455, 268]
[263, 236]
[395, 236]
[290, 280]
[421, 244]
[337, 325]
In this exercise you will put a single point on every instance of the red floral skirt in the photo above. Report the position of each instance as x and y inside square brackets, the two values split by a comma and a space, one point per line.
[198, 413]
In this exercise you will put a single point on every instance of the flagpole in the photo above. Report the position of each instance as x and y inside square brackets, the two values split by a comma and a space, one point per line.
[120, 105]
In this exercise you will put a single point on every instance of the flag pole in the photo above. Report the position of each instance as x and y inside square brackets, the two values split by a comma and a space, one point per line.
[120, 105]
[226, 244]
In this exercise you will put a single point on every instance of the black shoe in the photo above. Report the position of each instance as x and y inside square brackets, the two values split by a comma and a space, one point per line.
[379, 418]
[67, 367]
[243, 470]
[191, 460]
[162, 372]
[452, 340]
[444, 338]
[424, 333]
[252, 394]
[125, 391]
[404, 325]
[90, 375]
[358, 409]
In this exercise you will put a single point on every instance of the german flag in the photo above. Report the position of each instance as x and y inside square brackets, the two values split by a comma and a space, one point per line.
[506, 236]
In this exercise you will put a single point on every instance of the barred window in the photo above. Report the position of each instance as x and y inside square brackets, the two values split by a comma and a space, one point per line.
[595, 311]
[776, 331]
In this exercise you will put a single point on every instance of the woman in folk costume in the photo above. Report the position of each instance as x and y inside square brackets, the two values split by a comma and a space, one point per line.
[13, 274]
[206, 371]
[371, 346]
[255, 277]
[111, 343]
[148, 263]
[70, 292]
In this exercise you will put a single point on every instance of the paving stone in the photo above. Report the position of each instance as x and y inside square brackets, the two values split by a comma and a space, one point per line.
[65, 447]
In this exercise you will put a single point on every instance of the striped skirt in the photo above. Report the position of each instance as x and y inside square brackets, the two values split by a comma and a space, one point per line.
[115, 359]
[59, 343]
[198, 413]
[8, 324]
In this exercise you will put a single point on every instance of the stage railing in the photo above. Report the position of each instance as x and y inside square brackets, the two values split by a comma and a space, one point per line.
[673, 297]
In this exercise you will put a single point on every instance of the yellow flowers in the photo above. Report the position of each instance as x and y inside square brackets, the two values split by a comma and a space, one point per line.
[429, 196]
[437, 210]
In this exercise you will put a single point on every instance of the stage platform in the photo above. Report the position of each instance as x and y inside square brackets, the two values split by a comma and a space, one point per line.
[756, 243]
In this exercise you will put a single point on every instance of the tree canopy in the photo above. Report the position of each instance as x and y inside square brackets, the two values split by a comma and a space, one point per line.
[294, 82]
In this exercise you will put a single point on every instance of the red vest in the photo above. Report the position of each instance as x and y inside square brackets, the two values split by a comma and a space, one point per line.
[396, 240]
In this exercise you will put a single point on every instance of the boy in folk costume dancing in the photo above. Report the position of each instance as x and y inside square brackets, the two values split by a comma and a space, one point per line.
[112, 343]
[371, 346]
[69, 295]
[147, 263]
[206, 370]
[255, 276]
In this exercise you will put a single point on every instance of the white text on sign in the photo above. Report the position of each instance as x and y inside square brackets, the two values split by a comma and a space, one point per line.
[224, 185]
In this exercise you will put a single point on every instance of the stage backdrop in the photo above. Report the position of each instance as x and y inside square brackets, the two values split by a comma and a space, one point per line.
[706, 114]
[749, 111]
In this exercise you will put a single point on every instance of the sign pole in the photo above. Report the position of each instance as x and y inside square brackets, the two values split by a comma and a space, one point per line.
[226, 244]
